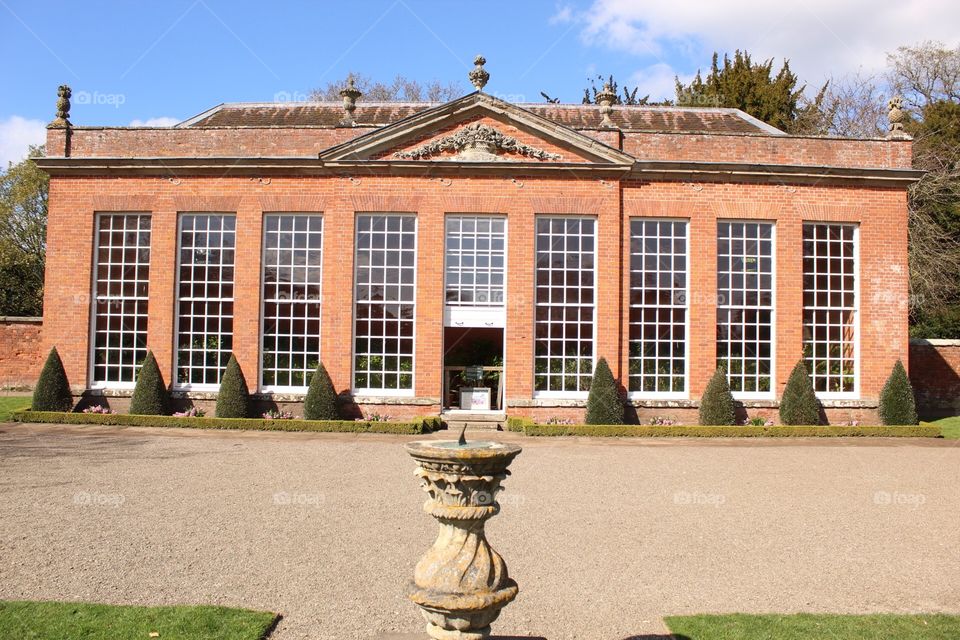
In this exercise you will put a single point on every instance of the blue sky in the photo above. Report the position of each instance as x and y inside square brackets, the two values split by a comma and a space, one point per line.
[158, 62]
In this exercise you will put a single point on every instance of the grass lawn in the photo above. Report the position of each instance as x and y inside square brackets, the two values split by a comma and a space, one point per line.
[949, 427]
[9, 404]
[805, 626]
[78, 621]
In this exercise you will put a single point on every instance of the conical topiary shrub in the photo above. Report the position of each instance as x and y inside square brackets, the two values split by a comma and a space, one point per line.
[321, 400]
[150, 396]
[897, 404]
[233, 400]
[604, 404]
[799, 404]
[716, 405]
[52, 392]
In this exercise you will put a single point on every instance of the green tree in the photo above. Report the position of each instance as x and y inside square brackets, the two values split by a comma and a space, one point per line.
[935, 220]
[743, 84]
[52, 392]
[23, 231]
[799, 404]
[717, 406]
[936, 150]
[150, 395]
[233, 399]
[604, 403]
[897, 404]
[321, 400]
[927, 75]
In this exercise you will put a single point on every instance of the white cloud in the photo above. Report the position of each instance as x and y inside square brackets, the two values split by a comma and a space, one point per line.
[163, 121]
[821, 38]
[658, 81]
[563, 15]
[16, 136]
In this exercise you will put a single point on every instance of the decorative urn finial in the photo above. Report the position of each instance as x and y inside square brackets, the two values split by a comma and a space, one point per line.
[605, 99]
[350, 94]
[478, 75]
[896, 116]
[63, 107]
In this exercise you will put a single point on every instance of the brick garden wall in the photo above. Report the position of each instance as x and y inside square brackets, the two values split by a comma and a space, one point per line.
[20, 353]
[935, 374]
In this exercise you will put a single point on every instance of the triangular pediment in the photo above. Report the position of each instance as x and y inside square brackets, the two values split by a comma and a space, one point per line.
[477, 128]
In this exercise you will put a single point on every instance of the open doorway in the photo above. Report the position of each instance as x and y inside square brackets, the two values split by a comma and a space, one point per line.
[473, 369]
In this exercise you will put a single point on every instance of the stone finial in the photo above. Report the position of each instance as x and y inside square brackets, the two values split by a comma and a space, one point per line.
[896, 117]
[63, 107]
[605, 99]
[478, 75]
[350, 94]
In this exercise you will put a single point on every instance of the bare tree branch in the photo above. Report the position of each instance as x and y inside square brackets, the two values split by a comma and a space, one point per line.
[925, 73]
[856, 106]
[401, 89]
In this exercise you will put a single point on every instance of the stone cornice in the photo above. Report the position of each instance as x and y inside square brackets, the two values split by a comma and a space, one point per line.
[649, 170]
[671, 170]
[286, 166]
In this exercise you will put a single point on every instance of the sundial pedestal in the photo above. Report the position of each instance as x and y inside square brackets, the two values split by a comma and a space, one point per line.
[461, 583]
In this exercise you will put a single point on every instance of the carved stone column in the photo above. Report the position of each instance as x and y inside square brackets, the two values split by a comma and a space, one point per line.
[461, 583]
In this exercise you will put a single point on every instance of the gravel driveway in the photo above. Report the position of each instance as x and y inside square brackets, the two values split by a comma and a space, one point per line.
[604, 536]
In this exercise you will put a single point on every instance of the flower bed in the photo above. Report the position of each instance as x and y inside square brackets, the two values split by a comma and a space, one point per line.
[530, 428]
[414, 426]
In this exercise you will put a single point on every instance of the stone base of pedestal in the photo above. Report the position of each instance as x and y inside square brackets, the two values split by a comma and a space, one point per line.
[424, 636]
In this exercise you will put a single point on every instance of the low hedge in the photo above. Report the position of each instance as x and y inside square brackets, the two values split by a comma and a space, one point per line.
[415, 426]
[518, 424]
[529, 428]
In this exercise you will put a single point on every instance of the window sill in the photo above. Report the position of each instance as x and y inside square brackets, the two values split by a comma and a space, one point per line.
[547, 401]
[849, 403]
[663, 403]
[399, 400]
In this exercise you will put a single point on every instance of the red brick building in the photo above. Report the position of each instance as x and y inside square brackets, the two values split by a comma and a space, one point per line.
[399, 243]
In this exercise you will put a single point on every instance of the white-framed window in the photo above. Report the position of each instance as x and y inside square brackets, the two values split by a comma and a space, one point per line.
[745, 306]
[658, 308]
[205, 272]
[121, 287]
[292, 279]
[475, 270]
[385, 304]
[830, 307]
[565, 309]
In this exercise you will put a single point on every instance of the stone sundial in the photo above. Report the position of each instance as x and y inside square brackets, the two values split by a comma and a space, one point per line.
[461, 583]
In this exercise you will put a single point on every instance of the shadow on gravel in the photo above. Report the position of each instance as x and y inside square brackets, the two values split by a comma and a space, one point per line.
[48, 445]
[91, 448]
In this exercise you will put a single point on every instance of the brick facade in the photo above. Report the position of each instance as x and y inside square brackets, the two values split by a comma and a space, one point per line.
[90, 186]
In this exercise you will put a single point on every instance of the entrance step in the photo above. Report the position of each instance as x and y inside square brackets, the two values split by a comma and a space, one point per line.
[456, 420]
